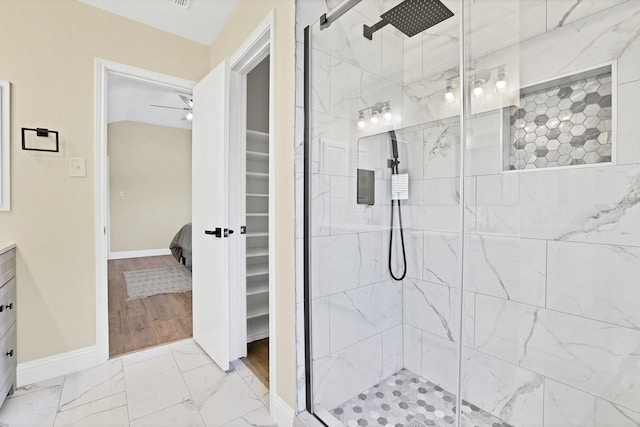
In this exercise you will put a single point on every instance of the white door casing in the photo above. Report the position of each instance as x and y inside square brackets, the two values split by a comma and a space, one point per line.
[210, 136]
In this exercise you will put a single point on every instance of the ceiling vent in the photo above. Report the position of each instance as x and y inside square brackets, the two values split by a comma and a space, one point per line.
[183, 4]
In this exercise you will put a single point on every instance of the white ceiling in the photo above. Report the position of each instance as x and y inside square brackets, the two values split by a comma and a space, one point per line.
[201, 22]
[130, 100]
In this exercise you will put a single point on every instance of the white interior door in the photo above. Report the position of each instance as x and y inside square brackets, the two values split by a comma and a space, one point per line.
[210, 216]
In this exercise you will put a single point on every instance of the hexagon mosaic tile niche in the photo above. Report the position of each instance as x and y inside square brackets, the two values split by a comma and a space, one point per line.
[561, 123]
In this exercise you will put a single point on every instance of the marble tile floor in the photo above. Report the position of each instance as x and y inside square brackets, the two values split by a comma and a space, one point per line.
[407, 400]
[171, 385]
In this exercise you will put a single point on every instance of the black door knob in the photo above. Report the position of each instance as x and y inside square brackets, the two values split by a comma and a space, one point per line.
[10, 306]
[10, 353]
[217, 232]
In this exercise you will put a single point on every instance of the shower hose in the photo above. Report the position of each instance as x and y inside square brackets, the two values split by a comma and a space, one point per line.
[394, 171]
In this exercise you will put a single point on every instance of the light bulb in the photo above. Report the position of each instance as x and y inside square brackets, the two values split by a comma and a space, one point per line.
[191, 103]
[449, 96]
[478, 90]
[189, 116]
[501, 82]
[374, 117]
[360, 121]
[387, 112]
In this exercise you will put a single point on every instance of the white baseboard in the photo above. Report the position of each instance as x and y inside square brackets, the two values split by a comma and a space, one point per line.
[139, 254]
[56, 365]
[282, 414]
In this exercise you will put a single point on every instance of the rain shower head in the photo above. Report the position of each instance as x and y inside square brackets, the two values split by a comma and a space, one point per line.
[412, 17]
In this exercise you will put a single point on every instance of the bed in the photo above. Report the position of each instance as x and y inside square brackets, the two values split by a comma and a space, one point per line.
[181, 245]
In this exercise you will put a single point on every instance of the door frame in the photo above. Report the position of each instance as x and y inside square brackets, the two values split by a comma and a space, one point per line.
[104, 68]
[259, 45]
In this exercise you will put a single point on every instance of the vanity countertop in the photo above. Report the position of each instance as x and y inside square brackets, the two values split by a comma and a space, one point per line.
[4, 247]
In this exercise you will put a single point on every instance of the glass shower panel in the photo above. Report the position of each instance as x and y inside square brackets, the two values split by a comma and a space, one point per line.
[384, 116]
[552, 241]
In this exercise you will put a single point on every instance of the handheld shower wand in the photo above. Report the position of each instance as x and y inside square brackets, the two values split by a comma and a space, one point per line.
[393, 164]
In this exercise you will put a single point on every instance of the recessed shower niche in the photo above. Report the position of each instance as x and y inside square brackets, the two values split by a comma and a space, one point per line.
[566, 121]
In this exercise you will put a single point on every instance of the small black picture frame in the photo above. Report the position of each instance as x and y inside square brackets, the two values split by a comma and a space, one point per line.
[41, 132]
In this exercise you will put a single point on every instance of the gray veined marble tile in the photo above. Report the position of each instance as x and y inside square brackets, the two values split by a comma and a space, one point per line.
[568, 407]
[563, 12]
[439, 361]
[412, 59]
[340, 376]
[188, 355]
[414, 249]
[392, 54]
[321, 82]
[432, 308]
[628, 124]
[412, 348]
[154, 385]
[183, 413]
[320, 205]
[441, 251]
[441, 144]
[333, 141]
[34, 405]
[513, 269]
[333, 258]
[609, 35]
[579, 352]
[595, 281]
[364, 312]
[92, 384]
[392, 351]
[220, 397]
[109, 411]
[506, 391]
[258, 418]
[343, 40]
[321, 327]
[347, 216]
[552, 205]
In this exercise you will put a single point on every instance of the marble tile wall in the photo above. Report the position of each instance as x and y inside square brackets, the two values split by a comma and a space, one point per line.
[551, 332]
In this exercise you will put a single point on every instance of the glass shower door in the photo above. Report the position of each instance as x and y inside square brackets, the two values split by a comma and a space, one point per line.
[385, 219]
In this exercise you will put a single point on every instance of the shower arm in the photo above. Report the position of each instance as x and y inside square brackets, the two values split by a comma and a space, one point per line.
[368, 31]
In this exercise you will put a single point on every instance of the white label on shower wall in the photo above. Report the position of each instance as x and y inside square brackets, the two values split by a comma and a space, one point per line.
[400, 186]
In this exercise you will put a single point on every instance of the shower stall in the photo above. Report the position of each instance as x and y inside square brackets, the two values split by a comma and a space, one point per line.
[472, 227]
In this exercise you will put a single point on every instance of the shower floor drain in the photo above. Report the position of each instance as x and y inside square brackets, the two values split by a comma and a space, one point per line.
[415, 423]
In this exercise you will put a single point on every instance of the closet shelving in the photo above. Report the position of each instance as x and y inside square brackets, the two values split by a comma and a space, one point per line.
[257, 220]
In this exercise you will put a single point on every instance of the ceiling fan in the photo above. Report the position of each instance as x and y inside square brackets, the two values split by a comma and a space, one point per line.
[188, 109]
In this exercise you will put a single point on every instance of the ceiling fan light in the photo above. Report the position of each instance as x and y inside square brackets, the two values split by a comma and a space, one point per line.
[189, 116]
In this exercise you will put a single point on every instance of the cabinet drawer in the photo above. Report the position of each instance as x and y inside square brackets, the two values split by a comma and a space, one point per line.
[7, 266]
[8, 307]
[8, 355]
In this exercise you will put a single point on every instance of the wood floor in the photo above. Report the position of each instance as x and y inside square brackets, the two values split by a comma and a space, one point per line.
[258, 360]
[146, 322]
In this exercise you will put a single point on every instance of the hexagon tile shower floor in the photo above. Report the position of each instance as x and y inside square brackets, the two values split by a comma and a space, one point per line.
[407, 400]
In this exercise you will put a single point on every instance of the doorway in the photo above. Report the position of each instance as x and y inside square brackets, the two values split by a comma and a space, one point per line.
[232, 327]
[256, 204]
[149, 214]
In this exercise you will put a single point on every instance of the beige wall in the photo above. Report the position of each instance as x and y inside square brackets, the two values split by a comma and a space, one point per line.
[247, 15]
[151, 166]
[48, 52]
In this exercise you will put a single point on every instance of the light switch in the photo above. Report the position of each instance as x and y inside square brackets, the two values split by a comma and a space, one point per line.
[78, 167]
[121, 193]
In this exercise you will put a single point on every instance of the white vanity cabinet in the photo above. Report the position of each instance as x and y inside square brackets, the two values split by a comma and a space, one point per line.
[8, 355]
